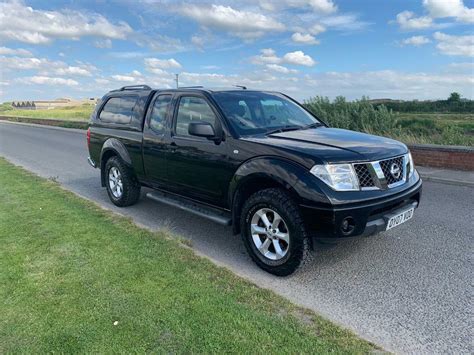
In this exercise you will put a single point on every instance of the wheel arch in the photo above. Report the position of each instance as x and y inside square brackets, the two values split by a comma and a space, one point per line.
[258, 174]
[111, 148]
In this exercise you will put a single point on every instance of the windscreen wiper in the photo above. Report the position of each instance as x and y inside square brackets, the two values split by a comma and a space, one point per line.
[283, 129]
[313, 125]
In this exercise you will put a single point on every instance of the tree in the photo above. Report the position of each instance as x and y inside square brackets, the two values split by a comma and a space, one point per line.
[454, 97]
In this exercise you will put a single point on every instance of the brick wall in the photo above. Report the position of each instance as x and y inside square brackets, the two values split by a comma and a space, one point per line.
[440, 156]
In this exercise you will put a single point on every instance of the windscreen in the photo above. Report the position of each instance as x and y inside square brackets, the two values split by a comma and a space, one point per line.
[253, 113]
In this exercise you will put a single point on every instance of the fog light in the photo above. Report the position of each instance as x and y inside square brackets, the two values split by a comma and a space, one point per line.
[347, 225]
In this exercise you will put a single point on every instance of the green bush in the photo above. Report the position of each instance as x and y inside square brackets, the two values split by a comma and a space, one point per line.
[363, 116]
[358, 115]
[6, 106]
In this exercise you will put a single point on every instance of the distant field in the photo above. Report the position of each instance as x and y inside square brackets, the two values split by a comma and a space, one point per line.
[72, 113]
[437, 128]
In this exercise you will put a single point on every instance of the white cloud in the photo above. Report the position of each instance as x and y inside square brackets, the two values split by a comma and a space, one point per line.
[72, 70]
[376, 84]
[127, 78]
[466, 67]
[159, 43]
[135, 77]
[46, 67]
[268, 56]
[103, 43]
[455, 45]
[449, 8]
[19, 22]
[304, 38]
[408, 21]
[162, 63]
[415, 41]
[317, 29]
[281, 69]
[128, 54]
[323, 6]
[298, 58]
[353, 85]
[244, 24]
[347, 22]
[16, 51]
[319, 6]
[198, 41]
[46, 80]
[102, 81]
[390, 83]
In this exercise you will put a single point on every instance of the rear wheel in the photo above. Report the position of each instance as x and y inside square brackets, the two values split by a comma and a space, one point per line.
[273, 231]
[122, 186]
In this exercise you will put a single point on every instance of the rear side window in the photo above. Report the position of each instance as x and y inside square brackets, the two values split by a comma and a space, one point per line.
[118, 110]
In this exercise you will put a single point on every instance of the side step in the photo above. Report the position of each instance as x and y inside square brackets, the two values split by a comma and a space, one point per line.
[196, 208]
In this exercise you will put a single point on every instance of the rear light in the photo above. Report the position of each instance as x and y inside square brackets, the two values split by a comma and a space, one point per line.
[88, 137]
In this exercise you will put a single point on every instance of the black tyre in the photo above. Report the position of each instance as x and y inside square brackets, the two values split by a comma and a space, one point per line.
[273, 231]
[122, 186]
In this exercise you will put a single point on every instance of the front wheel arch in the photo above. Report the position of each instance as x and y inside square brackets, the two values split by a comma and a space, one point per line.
[249, 186]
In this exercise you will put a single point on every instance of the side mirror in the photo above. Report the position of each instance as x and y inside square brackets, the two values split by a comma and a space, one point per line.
[201, 129]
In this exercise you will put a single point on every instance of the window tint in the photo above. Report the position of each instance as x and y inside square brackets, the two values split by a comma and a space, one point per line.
[276, 112]
[193, 109]
[254, 112]
[118, 110]
[158, 115]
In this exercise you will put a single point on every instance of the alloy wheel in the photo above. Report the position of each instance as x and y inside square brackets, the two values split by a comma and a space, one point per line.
[115, 182]
[270, 234]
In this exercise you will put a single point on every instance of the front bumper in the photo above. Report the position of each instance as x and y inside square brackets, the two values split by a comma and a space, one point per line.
[368, 218]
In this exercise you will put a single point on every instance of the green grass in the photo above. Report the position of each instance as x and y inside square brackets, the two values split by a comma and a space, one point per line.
[72, 113]
[436, 128]
[69, 270]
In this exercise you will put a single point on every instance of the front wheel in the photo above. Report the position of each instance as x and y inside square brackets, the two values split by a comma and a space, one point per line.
[122, 187]
[273, 231]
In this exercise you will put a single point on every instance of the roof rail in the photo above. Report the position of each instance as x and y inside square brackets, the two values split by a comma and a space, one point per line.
[135, 87]
[191, 87]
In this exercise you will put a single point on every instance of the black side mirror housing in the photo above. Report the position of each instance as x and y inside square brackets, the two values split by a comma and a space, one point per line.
[201, 129]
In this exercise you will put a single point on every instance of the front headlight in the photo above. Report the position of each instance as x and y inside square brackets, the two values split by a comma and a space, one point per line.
[340, 177]
[412, 165]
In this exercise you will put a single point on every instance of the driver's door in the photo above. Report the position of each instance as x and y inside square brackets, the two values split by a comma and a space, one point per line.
[198, 167]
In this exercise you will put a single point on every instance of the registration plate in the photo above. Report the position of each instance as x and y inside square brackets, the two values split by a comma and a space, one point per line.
[400, 218]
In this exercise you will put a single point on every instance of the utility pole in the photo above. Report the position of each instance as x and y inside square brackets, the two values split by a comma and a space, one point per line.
[177, 81]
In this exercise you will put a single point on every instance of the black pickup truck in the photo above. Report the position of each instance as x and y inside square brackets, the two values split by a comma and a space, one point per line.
[256, 160]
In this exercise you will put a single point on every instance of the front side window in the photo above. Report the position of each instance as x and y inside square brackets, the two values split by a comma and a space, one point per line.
[158, 113]
[252, 112]
[118, 110]
[192, 109]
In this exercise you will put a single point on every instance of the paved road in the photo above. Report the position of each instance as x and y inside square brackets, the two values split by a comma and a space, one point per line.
[409, 290]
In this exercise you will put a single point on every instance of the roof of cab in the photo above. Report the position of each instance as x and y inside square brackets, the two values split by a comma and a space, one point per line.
[147, 89]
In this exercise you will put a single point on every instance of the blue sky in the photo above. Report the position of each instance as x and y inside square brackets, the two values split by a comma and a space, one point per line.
[407, 49]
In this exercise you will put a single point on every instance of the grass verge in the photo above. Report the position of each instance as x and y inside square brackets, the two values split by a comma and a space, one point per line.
[69, 113]
[48, 122]
[76, 278]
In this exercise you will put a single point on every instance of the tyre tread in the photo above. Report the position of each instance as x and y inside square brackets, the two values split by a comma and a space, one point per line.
[131, 191]
[281, 199]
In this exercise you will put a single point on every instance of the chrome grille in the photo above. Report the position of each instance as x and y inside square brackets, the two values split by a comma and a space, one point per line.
[387, 165]
[364, 176]
[382, 174]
